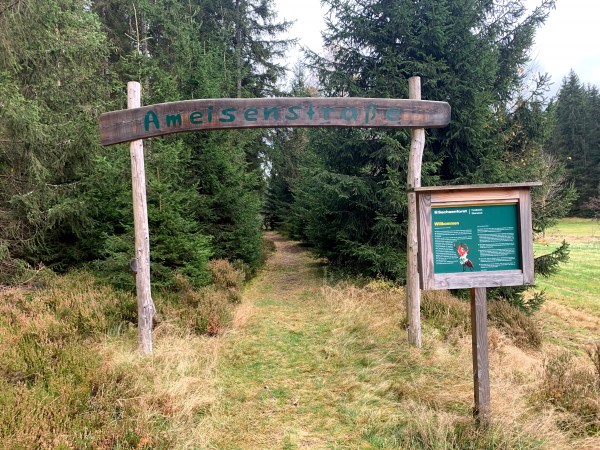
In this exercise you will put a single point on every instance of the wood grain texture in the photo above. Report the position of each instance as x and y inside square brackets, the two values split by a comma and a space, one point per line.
[445, 196]
[425, 242]
[476, 196]
[474, 187]
[479, 345]
[216, 114]
[466, 280]
[526, 228]
[142, 235]
[413, 291]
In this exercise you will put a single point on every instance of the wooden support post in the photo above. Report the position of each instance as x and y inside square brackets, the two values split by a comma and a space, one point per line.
[142, 236]
[481, 370]
[413, 292]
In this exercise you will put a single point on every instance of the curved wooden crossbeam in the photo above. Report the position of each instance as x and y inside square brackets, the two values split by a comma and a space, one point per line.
[217, 114]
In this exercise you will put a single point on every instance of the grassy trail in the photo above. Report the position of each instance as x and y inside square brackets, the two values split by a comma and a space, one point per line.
[274, 370]
[308, 366]
[305, 365]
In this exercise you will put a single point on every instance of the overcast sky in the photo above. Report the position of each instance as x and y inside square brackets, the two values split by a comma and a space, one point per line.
[570, 39]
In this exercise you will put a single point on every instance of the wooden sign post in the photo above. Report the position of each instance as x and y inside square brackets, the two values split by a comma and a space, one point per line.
[413, 291]
[142, 235]
[476, 237]
[479, 349]
[136, 123]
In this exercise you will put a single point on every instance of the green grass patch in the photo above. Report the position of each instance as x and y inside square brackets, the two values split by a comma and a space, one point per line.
[576, 283]
[573, 228]
[307, 365]
[328, 367]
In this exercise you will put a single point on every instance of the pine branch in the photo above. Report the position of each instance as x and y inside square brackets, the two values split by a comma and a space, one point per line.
[547, 265]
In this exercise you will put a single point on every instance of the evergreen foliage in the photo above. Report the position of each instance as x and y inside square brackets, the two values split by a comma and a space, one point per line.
[576, 138]
[51, 55]
[285, 156]
[350, 203]
[66, 200]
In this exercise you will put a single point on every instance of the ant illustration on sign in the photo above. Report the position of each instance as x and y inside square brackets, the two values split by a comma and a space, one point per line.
[463, 254]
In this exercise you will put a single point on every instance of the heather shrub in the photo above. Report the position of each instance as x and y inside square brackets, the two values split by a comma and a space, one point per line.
[516, 324]
[572, 387]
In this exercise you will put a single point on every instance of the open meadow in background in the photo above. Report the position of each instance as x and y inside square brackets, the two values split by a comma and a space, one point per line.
[573, 305]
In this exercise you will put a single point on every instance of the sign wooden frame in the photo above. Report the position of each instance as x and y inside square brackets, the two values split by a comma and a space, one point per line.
[475, 195]
[473, 206]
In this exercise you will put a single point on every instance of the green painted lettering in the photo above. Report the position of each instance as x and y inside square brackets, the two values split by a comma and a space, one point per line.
[393, 114]
[174, 120]
[349, 114]
[370, 113]
[274, 111]
[250, 114]
[326, 111]
[293, 115]
[311, 112]
[210, 113]
[196, 118]
[149, 118]
[227, 115]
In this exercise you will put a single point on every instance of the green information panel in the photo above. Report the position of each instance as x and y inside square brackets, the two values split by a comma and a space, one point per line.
[475, 238]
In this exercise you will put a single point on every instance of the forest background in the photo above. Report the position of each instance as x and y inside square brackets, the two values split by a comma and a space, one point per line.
[65, 201]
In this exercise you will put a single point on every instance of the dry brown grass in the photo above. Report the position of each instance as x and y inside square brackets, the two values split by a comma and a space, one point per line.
[522, 329]
[176, 386]
[302, 365]
[516, 372]
[209, 310]
[225, 277]
[56, 389]
[570, 384]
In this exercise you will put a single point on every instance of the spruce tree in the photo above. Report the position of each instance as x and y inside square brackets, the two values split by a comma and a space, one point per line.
[284, 157]
[576, 137]
[183, 50]
[351, 205]
[52, 54]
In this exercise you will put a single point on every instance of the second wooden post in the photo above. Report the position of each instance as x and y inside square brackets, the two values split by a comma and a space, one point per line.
[413, 290]
[479, 343]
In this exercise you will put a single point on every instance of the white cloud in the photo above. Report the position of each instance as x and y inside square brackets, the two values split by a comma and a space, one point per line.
[570, 39]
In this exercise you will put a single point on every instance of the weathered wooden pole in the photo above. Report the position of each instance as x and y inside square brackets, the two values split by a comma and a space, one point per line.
[413, 292]
[142, 236]
[479, 343]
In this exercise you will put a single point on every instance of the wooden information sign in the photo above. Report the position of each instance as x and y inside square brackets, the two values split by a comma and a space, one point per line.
[216, 114]
[476, 237]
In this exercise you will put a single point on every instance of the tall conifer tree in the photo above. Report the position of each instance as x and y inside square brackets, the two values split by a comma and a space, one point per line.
[470, 53]
[51, 59]
[576, 137]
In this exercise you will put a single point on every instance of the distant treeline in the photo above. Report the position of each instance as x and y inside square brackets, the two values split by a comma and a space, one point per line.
[344, 191]
[575, 138]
